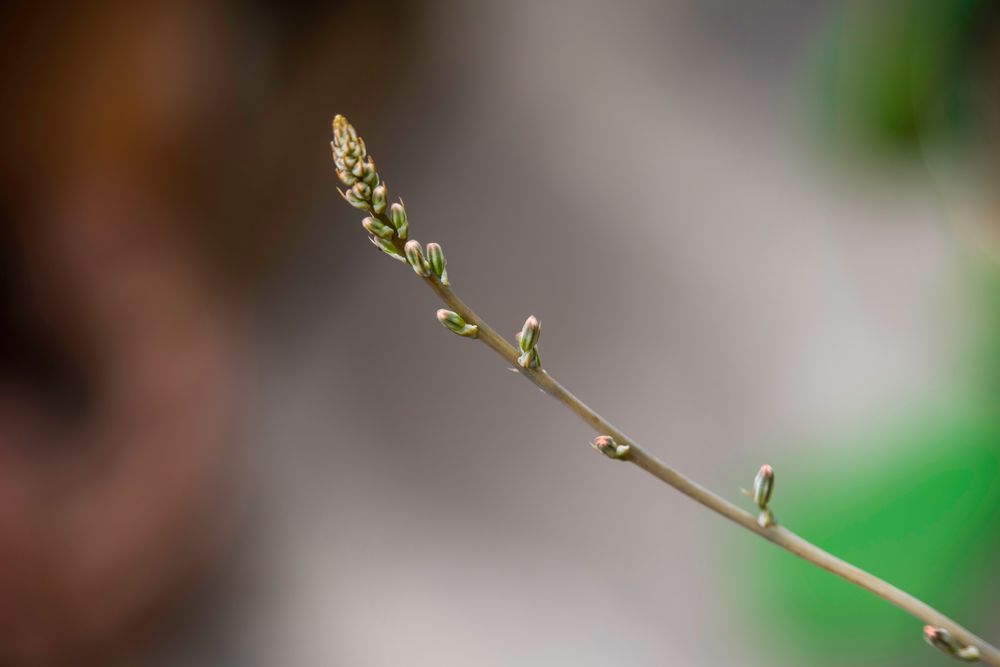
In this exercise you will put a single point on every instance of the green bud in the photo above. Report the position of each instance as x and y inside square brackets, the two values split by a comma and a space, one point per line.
[763, 485]
[387, 247]
[456, 323]
[346, 177]
[358, 169]
[379, 196]
[415, 256]
[435, 257]
[369, 173]
[353, 199]
[397, 214]
[376, 227]
[529, 334]
[363, 191]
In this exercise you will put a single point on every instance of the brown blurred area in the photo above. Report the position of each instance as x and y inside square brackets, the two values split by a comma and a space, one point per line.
[209, 455]
[145, 151]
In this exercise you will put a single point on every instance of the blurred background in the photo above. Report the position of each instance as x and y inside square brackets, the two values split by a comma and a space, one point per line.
[232, 433]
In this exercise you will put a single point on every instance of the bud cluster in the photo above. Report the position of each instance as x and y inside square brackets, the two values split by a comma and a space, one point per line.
[942, 640]
[386, 223]
[606, 445]
[527, 341]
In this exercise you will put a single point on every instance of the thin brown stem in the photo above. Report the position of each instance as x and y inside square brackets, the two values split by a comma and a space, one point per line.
[775, 534]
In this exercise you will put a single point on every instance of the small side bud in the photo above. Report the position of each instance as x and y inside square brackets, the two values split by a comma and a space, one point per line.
[763, 485]
[435, 257]
[397, 214]
[379, 196]
[530, 332]
[415, 256]
[942, 640]
[376, 227]
[456, 323]
[606, 445]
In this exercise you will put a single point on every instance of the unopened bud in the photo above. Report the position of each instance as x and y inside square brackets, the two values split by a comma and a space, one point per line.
[397, 214]
[763, 485]
[529, 334]
[435, 258]
[362, 190]
[456, 323]
[353, 199]
[346, 177]
[379, 196]
[415, 256]
[358, 169]
[387, 247]
[376, 227]
[606, 445]
[941, 639]
[369, 175]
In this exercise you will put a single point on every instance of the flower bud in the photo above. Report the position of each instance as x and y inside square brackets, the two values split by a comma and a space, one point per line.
[353, 199]
[941, 639]
[362, 190]
[397, 214]
[376, 227]
[369, 174]
[435, 257]
[606, 445]
[763, 485]
[346, 177]
[415, 256]
[379, 196]
[387, 247]
[529, 334]
[456, 323]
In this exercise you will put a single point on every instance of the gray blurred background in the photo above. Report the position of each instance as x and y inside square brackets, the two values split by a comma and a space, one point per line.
[642, 176]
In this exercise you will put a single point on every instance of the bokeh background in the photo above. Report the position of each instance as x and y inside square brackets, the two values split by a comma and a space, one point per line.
[231, 433]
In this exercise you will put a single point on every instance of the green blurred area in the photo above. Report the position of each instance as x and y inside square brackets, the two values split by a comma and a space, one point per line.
[915, 497]
[889, 74]
[919, 506]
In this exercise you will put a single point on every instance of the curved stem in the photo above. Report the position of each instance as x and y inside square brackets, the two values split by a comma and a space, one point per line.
[775, 534]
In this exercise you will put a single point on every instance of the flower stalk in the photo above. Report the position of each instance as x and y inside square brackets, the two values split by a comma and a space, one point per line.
[389, 230]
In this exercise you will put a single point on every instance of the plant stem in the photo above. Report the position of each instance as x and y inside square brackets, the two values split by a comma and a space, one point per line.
[775, 534]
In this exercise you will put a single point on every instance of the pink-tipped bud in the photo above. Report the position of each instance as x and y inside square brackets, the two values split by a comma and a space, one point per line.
[606, 445]
[763, 486]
